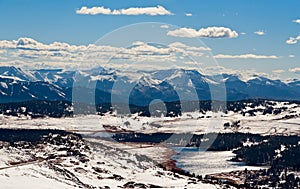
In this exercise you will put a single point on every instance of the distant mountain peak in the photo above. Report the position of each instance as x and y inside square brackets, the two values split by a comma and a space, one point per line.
[146, 80]
[164, 83]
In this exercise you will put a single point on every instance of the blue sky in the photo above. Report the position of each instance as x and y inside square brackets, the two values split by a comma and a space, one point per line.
[50, 21]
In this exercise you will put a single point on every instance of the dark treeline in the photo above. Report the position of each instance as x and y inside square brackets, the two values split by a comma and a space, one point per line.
[36, 109]
[264, 152]
[29, 135]
[172, 109]
[218, 141]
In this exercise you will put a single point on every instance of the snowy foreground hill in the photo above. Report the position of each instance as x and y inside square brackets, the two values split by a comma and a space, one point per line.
[65, 160]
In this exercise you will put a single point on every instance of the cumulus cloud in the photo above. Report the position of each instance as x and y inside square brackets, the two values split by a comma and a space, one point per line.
[209, 32]
[297, 21]
[260, 33]
[188, 14]
[293, 40]
[142, 48]
[295, 70]
[152, 11]
[245, 56]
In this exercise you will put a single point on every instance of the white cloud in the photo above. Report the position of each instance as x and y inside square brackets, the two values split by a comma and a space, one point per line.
[180, 45]
[293, 40]
[188, 14]
[292, 56]
[93, 10]
[152, 11]
[210, 32]
[297, 21]
[141, 48]
[164, 26]
[278, 71]
[260, 33]
[185, 50]
[243, 33]
[295, 70]
[194, 63]
[245, 56]
[276, 74]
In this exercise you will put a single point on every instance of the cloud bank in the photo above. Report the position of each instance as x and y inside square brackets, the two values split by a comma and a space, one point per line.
[152, 11]
[29, 52]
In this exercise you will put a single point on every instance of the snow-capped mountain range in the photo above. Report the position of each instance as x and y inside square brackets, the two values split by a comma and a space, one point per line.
[141, 88]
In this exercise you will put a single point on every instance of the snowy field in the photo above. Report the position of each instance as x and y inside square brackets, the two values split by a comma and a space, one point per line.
[194, 122]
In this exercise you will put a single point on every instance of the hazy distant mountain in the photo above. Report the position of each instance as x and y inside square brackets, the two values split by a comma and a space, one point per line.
[168, 85]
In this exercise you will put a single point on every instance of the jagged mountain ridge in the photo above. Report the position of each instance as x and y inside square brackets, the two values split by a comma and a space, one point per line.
[168, 85]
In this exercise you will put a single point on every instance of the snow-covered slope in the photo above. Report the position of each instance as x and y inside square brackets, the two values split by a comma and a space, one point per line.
[67, 161]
